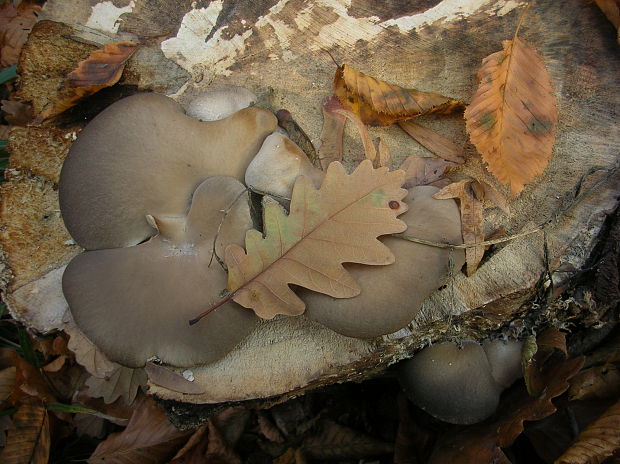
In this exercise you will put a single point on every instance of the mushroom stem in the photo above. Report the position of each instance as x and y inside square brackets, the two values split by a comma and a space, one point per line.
[211, 309]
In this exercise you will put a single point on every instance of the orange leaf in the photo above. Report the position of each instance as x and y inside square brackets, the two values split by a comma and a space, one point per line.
[339, 223]
[432, 141]
[597, 442]
[513, 117]
[103, 68]
[381, 104]
[472, 220]
[29, 437]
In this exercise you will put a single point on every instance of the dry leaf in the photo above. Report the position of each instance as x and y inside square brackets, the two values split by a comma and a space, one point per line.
[381, 104]
[424, 171]
[432, 141]
[332, 133]
[298, 136]
[551, 339]
[494, 196]
[171, 380]
[15, 32]
[7, 382]
[472, 220]
[148, 439]
[5, 424]
[218, 449]
[339, 223]
[597, 382]
[385, 156]
[611, 8]
[268, 429]
[103, 68]
[337, 442]
[483, 442]
[194, 450]
[369, 148]
[122, 382]
[513, 117]
[17, 113]
[86, 353]
[597, 442]
[29, 437]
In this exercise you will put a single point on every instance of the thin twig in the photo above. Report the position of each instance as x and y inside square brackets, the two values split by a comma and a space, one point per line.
[219, 227]
[466, 245]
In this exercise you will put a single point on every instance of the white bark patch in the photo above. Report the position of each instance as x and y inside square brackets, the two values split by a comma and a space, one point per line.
[216, 56]
[106, 17]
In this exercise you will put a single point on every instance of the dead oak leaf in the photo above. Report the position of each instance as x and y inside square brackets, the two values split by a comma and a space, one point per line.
[148, 439]
[123, 382]
[597, 442]
[379, 103]
[29, 436]
[103, 68]
[338, 223]
[513, 116]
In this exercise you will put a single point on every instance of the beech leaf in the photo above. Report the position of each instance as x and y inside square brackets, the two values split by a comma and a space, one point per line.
[29, 437]
[103, 68]
[339, 223]
[434, 142]
[148, 439]
[513, 116]
[597, 442]
[380, 104]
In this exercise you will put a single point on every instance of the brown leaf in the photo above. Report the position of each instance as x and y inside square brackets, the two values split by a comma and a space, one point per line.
[17, 113]
[171, 380]
[231, 423]
[494, 196]
[123, 382]
[56, 364]
[513, 117]
[29, 438]
[86, 353]
[103, 68]
[29, 381]
[148, 438]
[15, 32]
[5, 424]
[383, 151]
[424, 171]
[434, 142]
[611, 8]
[330, 148]
[597, 442]
[412, 440]
[381, 104]
[472, 220]
[551, 339]
[298, 136]
[337, 442]
[268, 429]
[7, 382]
[483, 442]
[218, 449]
[194, 449]
[369, 148]
[336, 224]
[597, 382]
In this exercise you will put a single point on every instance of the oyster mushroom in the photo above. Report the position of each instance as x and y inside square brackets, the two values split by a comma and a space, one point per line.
[460, 385]
[221, 103]
[391, 295]
[134, 302]
[143, 155]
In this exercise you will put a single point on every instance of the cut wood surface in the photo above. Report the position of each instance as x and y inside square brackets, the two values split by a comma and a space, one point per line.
[278, 51]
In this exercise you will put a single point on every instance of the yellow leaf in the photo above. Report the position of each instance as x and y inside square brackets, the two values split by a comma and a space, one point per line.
[378, 103]
[29, 438]
[513, 117]
[339, 223]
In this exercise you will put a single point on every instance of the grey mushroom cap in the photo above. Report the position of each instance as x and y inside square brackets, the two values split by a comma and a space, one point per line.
[221, 103]
[134, 303]
[451, 383]
[505, 360]
[392, 295]
[143, 155]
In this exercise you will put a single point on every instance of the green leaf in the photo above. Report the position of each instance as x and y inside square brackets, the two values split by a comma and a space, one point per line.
[27, 350]
[8, 74]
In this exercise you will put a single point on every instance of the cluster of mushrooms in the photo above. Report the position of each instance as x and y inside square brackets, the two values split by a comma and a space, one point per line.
[152, 192]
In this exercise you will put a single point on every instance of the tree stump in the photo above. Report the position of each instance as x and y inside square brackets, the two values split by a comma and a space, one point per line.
[281, 51]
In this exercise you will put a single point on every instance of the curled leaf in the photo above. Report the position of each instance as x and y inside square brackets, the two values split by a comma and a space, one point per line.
[513, 116]
[381, 104]
[339, 223]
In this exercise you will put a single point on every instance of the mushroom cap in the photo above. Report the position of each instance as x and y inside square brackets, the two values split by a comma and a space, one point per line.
[277, 165]
[505, 360]
[143, 155]
[391, 295]
[451, 383]
[219, 104]
[134, 303]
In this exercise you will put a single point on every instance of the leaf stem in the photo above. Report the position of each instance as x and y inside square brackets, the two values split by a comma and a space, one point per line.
[212, 308]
